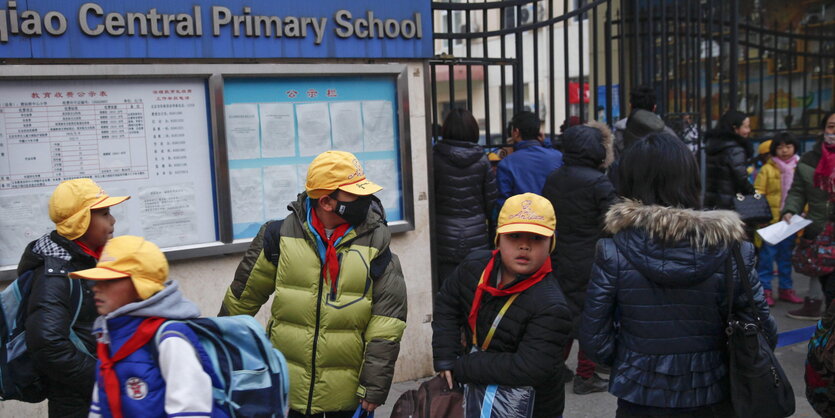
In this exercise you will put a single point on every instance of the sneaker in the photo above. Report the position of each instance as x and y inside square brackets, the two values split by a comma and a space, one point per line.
[567, 375]
[593, 384]
[768, 298]
[602, 369]
[811, 310]
[789, 296]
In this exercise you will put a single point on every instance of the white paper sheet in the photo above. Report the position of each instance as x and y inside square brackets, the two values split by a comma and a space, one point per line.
[278, 130]
[378, 125]
[247, 195]
[383, 172]
[242, 131]
[346, 120]
[779, 231]
[281, 187]
[314, 127]
[168, 214]
[22, 219]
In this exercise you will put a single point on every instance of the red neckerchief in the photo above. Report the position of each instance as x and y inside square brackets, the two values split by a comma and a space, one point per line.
[824, 177]
[330, 268]
[89, 251]
[484, 285]
[143, 334]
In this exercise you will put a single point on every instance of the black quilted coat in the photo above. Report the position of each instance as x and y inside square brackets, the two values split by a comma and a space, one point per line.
[727, 169]
[465, 194]
[68, 373]
[527, 348]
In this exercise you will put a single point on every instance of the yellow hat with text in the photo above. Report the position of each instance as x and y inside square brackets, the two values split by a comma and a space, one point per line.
[71, 202]
[332, 170]
[527, 212]
[134, 257]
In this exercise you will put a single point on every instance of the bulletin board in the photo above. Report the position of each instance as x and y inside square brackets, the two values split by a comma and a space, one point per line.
[147, 138]
[276, 126]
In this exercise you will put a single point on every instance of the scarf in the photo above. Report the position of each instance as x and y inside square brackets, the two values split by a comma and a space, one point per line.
[786, 175]
[824, 177]
[89, 251]
[330, 265]
[484, 286]
[142, 336]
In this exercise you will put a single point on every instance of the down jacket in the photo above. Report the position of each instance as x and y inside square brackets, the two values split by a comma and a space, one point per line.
[769, 184]
[525, 169]
[657, 303]
[803, 192]
[727, 169]
[339, 347]
[69, 373]
[527, 346]
[465, 195]
[581, 195]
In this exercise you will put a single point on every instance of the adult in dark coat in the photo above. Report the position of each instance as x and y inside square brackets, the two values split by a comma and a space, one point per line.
[728, 151]
[465, 192]
[581, 194]
[656, 301]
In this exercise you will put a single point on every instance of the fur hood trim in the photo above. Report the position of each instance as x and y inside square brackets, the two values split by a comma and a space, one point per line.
[668, 224]
[607, 139]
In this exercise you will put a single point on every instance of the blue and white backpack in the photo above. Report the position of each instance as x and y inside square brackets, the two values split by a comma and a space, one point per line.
[249, 376]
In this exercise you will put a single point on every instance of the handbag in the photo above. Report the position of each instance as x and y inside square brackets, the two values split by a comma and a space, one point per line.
[752, 208]
[433, 398]
[820, 373]
[816, 257]
[759, 387]
[497, 401]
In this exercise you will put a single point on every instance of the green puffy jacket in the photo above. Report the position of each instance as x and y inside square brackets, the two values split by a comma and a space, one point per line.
[341, 347]
[804, 192]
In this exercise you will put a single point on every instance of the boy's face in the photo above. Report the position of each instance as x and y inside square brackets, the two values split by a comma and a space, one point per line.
[110, 295]
[523, 252]
[100, 229]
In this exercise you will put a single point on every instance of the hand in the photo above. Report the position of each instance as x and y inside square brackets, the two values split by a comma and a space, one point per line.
[368, 406]
[447, 374]
[788, 217]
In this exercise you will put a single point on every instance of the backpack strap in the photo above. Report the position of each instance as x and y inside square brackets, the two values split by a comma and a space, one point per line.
[146, 330]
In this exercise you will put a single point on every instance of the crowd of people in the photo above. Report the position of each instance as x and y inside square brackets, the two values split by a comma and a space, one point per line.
[606, 242]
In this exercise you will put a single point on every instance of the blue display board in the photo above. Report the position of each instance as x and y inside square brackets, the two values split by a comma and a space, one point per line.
[276, 126]
[218, 29]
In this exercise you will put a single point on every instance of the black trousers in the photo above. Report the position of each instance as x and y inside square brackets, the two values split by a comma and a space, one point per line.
[333, 414]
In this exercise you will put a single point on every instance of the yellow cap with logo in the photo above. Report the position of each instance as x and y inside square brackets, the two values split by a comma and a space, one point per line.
[134, 257]
[332, 170]
[71, 202]
[527, 212]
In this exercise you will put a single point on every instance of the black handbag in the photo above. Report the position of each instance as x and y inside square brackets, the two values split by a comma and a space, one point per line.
[753, 208]
[759, 387]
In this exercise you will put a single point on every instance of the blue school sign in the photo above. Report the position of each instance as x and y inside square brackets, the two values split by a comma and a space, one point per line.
[118, 29]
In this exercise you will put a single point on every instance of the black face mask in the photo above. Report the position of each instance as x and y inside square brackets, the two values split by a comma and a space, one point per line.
[353, 212]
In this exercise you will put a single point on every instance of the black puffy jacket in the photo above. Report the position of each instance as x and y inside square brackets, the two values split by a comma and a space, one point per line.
[727, 169]
[581, 195]
[527, 347]
[465, 194]
[69, 373]
[657, 303]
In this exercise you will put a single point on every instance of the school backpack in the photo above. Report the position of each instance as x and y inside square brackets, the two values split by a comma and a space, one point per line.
[249, 376]
[820, 366]
[433, 398]
[18, 378]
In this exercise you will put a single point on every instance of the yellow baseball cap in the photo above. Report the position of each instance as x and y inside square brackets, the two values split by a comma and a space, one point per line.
[71, 202]
[134, 257]
[765, 147]
[527, 212]
[332, 170]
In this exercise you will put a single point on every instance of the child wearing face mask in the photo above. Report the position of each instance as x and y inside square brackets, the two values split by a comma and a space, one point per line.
[774, 181]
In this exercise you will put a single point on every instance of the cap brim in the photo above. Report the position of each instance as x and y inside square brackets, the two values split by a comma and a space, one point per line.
[98, 273]
[109, 201]
[525, 227]
[361, 188]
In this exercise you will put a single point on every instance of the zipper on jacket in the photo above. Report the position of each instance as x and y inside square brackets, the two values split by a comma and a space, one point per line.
[315, 344]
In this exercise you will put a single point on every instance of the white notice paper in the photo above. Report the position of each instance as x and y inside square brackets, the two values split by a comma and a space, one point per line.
[245, 186]
[378, 125]
[314, 128]
[346, 120]
[280, 188]
[384, 173]
[168, 214]
[242, 131]
[779, 231]
[278, 131]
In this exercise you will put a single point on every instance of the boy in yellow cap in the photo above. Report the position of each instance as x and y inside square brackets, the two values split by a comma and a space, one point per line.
[137, 377]
[59, 341]
[513, 312]
[340, 300]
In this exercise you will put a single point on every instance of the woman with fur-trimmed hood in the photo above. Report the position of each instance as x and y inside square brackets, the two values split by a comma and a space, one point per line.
[581, 193]
[656, 301]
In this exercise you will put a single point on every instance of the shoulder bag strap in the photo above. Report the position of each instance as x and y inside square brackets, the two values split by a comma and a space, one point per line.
[495, 324]
[729, 285]
[744, 281]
